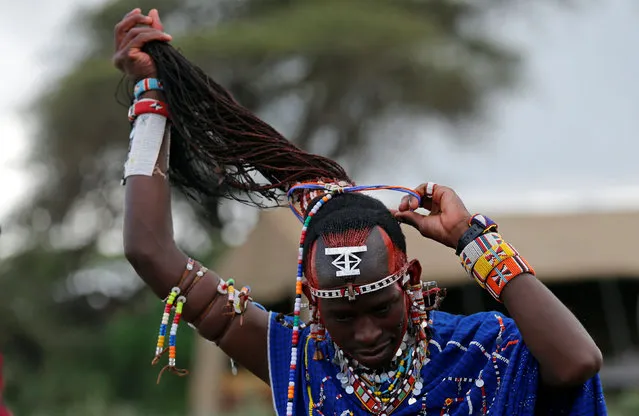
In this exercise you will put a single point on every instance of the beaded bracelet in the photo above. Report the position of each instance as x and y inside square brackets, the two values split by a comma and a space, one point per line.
[198, 276]
[476, 248]
[145, 85]
[491, 258]
[487, 258]
[504, 272]
[206, 311]
[478, 224]
[237, 303]
[492, 263]
[148, 105]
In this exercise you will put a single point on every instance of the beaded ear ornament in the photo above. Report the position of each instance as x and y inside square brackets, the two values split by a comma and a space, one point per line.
[303, 194]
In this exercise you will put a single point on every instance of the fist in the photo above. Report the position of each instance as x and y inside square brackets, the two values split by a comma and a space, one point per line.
[133, 32]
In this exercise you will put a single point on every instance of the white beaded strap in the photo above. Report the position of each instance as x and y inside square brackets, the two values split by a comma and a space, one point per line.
[476, 248]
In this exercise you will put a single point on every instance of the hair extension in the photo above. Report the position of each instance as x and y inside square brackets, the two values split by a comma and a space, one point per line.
[221, 149]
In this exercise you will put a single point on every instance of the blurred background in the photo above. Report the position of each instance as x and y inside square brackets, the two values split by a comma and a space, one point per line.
[526, 108]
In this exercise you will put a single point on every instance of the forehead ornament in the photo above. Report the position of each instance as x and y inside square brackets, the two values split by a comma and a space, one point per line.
[346, 260]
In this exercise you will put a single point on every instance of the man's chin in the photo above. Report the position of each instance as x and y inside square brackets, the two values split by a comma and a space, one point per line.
[375, 363]
[376, 360]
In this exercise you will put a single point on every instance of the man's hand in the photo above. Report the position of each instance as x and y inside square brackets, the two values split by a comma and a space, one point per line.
[131, 34]
[448, 218]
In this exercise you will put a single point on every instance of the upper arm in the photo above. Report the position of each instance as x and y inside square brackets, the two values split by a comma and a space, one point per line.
[243, 338]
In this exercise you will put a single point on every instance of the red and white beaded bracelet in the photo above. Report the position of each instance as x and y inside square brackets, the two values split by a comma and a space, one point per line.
[146, 106]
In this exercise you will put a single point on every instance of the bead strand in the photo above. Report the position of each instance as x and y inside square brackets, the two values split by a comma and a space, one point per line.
[298, 305]
[164, 322]
[174, 327]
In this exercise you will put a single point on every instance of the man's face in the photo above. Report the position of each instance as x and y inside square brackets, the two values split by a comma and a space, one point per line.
[370, 328]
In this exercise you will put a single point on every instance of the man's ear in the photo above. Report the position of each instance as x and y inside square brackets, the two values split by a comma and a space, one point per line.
[306, 289]
[414, 271]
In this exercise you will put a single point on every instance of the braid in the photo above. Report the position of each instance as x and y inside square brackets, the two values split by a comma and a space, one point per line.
[220, 148]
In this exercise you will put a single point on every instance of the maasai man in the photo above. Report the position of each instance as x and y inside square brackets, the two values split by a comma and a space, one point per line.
[376, 343]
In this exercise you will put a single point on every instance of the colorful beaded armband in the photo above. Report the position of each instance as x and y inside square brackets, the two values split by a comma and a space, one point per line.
[504, 272]
[476, 248]
[492, 263]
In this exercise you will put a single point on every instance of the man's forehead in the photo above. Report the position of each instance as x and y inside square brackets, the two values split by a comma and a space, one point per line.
[359, 263]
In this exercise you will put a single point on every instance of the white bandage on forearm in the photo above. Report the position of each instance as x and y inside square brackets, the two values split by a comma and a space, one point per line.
[145, 144]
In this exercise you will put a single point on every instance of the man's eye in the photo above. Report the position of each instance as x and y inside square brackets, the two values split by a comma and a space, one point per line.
[343, 317]
[382, 310]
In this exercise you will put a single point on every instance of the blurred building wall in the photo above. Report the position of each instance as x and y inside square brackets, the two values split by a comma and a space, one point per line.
[588, 260]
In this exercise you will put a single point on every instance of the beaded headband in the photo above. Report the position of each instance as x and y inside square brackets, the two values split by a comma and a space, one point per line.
[352, 291]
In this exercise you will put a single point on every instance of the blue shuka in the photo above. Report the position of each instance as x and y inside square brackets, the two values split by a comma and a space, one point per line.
[472, 371]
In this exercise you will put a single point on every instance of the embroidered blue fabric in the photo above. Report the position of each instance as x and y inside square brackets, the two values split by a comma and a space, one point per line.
[476, 367]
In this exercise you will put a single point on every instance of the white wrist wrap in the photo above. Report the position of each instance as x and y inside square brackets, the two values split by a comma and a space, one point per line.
[145, 143]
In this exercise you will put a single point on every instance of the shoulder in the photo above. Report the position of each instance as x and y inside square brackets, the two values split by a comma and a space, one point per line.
[280, 330]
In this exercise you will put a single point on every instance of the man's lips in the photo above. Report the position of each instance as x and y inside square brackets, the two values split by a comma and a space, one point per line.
[373, 353]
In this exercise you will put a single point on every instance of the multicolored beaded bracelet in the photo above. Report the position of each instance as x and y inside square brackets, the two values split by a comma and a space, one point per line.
[145, 85]
[492, 262]
[504, 272]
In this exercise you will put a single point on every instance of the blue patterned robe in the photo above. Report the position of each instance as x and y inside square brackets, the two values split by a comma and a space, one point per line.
[472, 371]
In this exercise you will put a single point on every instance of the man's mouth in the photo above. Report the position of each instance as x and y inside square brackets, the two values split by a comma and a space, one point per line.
[373, 355]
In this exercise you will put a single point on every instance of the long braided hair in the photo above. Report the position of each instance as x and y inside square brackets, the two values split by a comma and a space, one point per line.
[220, 148]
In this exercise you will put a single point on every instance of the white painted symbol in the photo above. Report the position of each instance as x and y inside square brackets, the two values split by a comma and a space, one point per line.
[346, 260]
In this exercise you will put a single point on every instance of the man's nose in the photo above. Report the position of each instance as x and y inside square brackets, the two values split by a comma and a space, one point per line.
[367, 332]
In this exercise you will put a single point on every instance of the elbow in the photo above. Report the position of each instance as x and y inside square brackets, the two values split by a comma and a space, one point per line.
[578, 370]
[139, 255]
[143, 249]
[136, 256]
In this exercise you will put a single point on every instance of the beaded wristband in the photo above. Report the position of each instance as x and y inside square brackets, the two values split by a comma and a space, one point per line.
[206, 311]
[190, 263]
[476, 248]
[479, 224]
[491, 258]
[147, 84]
[496, 264]
[148, 105]
[504, 273]
[196, 280]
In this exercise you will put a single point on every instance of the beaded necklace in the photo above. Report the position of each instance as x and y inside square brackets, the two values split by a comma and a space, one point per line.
[381, 392]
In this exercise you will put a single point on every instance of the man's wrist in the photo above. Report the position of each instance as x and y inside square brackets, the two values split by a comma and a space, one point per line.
[458, 231]
[154, 94]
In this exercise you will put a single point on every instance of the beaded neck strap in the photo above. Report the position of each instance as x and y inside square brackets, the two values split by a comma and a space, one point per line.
[328, 190]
